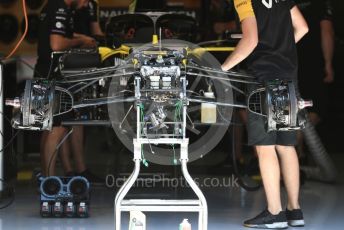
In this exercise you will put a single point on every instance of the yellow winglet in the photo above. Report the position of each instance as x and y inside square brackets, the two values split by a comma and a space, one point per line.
[155, 39]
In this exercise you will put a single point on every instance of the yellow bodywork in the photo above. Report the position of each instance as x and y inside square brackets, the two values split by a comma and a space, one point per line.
[198, 52]
[123, 51]
[155, 39]
[106, 52]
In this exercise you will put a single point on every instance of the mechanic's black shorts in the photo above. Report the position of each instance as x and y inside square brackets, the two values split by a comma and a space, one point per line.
[57, 120]
[258, 135]
[41, 71]
[257, 125]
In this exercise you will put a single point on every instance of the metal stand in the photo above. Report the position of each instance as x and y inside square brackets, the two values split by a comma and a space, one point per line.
[158, 205]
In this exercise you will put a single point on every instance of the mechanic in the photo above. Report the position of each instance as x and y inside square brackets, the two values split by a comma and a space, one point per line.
[270, 30]
[315, 68]
[56, 34]
[85, 22]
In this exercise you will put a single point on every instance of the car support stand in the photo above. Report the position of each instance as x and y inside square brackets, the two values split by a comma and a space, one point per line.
[158, 205]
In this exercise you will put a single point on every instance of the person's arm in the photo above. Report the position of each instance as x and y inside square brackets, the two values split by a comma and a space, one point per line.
[249, 39]
[327, 40]
[96, 30]
[327, 45]
[299, 24]
[61, 37]
[61, 43]
[246, 45]
[94, 14]
[82, 36]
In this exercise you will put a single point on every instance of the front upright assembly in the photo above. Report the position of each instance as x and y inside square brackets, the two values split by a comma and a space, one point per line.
[280, 104]
[40, 102]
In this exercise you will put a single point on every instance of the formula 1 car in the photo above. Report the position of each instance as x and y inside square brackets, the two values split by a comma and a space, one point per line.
[162, 77]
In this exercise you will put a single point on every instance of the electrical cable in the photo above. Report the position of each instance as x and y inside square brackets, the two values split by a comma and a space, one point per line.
[174, 132]
[178, 109]
[178, 106]
[24, 34]
[57, 150]
[144, 161]
[245, 182]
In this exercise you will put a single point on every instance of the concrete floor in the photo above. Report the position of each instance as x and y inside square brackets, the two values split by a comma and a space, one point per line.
[323, 207]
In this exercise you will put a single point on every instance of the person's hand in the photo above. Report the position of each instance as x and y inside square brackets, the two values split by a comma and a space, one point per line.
[329, 74]
[88, 42]
[223, 68]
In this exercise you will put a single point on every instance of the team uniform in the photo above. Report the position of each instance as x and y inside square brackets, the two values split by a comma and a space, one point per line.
[311, 64]
[275, 57]
[55, 18]
[85, 16]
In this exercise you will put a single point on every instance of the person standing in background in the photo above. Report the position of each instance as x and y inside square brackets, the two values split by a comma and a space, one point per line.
[316, 67]
[56, 33]
[86, 22]
[270, 30]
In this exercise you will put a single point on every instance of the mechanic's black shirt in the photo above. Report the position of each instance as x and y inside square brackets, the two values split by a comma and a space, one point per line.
[275, 55]
[85, 16]
[314, 11]
[55, 18]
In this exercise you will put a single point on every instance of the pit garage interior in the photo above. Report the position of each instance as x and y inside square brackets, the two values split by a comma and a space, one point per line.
[203, 134]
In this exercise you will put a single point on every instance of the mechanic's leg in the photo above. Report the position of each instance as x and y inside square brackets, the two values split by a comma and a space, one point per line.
[270, 172]
[77, 144]
[52, 139]
[291, 174]
[65, 154]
